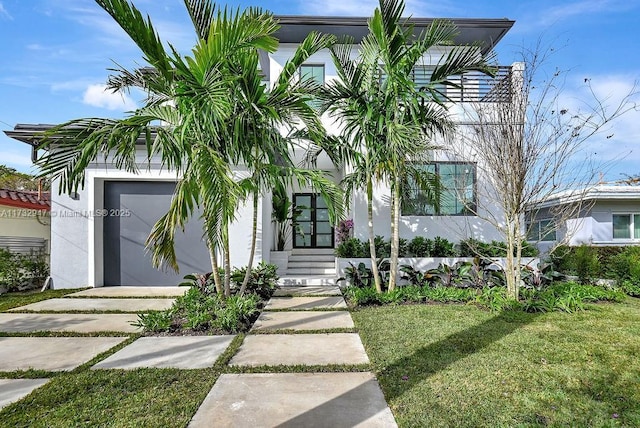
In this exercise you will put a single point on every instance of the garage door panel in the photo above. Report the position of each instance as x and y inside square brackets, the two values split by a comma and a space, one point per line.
[127, 261]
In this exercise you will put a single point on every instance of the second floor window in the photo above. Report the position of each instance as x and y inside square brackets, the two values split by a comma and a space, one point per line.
[458, 197]
[314, 72]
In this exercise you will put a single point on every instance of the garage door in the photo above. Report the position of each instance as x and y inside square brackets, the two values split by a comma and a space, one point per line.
[133, 207]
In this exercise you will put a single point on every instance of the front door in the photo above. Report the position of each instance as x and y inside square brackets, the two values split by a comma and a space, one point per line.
[312, 228]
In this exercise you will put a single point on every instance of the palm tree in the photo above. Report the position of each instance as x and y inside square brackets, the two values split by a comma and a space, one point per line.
[388, 123]
[215, 112]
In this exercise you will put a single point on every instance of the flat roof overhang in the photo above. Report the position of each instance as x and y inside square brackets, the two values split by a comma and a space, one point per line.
[487, 32]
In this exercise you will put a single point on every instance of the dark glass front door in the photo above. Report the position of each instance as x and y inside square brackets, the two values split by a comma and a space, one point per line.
[312, 228]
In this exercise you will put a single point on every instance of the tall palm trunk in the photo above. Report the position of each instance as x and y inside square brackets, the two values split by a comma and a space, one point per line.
[214, 269]
[227, 260]
[372, 245]
[254, 233]
[395, 234]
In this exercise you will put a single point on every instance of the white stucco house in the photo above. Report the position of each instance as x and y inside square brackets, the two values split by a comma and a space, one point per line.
[98, 234]
[607, 215]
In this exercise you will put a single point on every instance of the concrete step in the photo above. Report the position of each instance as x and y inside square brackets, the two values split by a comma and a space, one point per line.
[312, 258]
[314, 264]
[312, 251]
[303, 280]
[310, 271]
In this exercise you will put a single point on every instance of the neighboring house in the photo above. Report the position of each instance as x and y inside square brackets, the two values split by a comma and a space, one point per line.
[25, 224]
[99, 233]
[607, 215]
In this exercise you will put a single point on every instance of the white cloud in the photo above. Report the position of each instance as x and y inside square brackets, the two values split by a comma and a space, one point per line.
[99, 96]
[4, 13]
[582, 7]
[618, 140]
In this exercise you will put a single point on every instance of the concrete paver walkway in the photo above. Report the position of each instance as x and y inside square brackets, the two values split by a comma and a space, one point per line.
[305, 303]
[51, 353]
[298, 399]
[180, 352]
[303, 320]
[294, 400]
[76, 323]
[307, 291]
[131, 292]
[306, 349]
[116, 304]
[12, 390]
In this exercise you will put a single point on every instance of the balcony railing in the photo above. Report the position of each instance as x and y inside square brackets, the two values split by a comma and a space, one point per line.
[472, 86]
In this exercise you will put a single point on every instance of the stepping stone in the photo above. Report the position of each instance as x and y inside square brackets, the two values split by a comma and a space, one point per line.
[303, 320]
[12, 390]
[300, 349]
[337, 400]
[51, 353]
[305, 303]
[308, 291]
[77, 323]
[124, 305]
[180, 352]
[131, 292]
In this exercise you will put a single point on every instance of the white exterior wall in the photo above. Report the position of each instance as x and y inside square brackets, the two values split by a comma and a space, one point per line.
[77, 233]
[24, 222]
[453, 228]
[596, 227]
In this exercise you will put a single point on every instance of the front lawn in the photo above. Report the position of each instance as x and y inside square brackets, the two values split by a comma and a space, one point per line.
[114, 398]
[454, 365]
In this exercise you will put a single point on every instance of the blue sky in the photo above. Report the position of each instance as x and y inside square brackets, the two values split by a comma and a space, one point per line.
[55, 55]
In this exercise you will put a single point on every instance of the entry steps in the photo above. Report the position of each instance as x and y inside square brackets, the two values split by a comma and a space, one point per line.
[311, 262]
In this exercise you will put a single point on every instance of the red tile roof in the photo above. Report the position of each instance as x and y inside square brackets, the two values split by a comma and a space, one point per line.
[29, 200]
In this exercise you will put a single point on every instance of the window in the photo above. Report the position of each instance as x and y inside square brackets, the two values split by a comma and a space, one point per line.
[458, 181]
[626, 226]
[541, 230]
[314, 72]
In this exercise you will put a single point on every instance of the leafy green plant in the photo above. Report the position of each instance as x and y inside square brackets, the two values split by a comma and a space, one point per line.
[413, 276]
[352, 248]
[443, 248]
[630, 288]
[420, 247]
[625, 266]
[587, 264]
[22, 271]
[236, 313]
[156, 321]
[263, 280]
[383, 246]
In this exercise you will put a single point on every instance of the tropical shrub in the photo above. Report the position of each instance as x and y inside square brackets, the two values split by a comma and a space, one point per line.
[587, 264]
[263, 280]
[22, 271]
[420, 247]
[443, 248]
[352, 248]
[199, 311]
[625, 266]
[472, 248]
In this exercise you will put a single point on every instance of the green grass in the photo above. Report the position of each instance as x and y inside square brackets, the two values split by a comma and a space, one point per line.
[114, 398]
[452, 365]
[14, 300]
